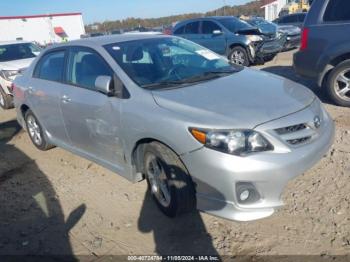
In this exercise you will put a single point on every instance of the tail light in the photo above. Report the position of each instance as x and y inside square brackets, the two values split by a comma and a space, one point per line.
[304, 38]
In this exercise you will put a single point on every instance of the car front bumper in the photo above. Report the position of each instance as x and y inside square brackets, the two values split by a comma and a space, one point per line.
[292, 42]
[216, 175]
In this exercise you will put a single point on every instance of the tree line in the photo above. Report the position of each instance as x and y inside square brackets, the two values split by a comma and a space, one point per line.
[251, 8]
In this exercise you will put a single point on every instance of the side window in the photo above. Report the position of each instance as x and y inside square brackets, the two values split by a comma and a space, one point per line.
[179, 31]
[208, 27]
[51, 67]
[192, 28]
[337, 10]
[85, 66]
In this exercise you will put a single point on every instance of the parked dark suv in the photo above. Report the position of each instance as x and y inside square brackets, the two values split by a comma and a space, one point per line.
[325, 48]
[292, 19]
[229, 36]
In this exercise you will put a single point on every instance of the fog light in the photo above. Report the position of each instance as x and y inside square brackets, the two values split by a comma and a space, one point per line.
[244, 195]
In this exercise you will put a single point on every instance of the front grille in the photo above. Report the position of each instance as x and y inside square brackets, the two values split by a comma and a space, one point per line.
[299, 141]
[290, 129]
[296, 134]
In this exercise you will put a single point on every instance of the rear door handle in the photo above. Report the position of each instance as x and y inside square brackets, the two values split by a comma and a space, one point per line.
[66, 99]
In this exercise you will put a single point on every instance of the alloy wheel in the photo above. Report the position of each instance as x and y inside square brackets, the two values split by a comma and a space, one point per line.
[34, 130]
[237, 57]
[342, 85]
[158, 180]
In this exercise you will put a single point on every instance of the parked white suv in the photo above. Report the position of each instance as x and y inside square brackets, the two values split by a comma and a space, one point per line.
[14, 57]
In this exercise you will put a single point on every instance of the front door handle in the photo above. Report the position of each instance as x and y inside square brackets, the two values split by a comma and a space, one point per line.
[66, 99]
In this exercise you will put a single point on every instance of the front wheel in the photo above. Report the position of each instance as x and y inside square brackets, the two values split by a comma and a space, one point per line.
[35, 132]
[338, 84]
[239, 56]
[169, 182]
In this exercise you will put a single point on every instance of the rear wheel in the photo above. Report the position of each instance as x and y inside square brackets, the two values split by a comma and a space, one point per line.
[239, 56]
[338, 84]
[170, 184]
[35, 131]
[5, 100]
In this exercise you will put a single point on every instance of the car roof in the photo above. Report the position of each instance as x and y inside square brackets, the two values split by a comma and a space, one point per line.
[182, 22]
[13, 42]
[109, 39]
[208, 17]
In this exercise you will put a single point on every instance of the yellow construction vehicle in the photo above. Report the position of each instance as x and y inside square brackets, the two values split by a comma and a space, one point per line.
[296, 6]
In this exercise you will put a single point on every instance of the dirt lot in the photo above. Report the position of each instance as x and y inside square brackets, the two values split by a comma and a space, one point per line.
[57, 203]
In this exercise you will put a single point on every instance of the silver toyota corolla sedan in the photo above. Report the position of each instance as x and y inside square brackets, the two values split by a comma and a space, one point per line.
[202, 132]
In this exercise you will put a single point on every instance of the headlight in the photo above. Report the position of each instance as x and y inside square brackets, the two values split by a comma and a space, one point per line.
[8, 74]
[254, 38]
[235, 142]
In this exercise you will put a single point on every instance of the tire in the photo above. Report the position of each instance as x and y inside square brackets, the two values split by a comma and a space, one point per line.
[335, 87]
[6, 101]
[173, 176]
[35, 132]
[239, 56]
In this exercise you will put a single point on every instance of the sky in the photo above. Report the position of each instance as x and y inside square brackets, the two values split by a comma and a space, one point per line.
[101, 10]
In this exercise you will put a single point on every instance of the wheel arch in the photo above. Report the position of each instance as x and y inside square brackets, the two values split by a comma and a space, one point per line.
[24, 108]
[138, 152]
[330, 66]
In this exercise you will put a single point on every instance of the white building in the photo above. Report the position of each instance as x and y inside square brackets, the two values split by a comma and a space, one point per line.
[44, 29]
[273, 8]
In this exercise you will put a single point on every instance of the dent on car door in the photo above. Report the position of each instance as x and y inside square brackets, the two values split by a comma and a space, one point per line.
[91, 118]
[44, 94]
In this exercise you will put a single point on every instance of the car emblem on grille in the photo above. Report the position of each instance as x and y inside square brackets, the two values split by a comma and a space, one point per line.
[317, 121]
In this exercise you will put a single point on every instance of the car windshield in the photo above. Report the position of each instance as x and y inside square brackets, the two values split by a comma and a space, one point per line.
[234, 24]
[258, 22]
[18, 51]
[263, 25]
[168, 62]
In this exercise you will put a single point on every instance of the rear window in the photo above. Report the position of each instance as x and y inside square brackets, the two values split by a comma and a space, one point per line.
[188, 29]
[337, 10]
[18, 51]
[179, 31]
[192, 28]
[50, 67]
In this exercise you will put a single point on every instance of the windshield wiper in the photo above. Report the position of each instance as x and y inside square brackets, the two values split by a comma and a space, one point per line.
[193, 79]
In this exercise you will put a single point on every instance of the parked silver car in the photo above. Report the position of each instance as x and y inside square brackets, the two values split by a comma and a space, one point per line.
[203, 132]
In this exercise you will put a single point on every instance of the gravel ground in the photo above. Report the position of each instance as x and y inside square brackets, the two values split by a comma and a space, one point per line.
[57, 203]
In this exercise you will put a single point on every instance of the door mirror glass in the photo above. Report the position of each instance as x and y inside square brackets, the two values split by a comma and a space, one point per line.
[217, 32]
[104, 85]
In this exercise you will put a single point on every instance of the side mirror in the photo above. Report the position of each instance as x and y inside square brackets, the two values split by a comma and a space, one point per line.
[217, 32]
[104, 84]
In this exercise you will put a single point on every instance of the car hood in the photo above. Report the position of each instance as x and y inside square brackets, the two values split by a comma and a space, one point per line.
[16, 64]
[289, 29]
[242, 100]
